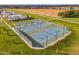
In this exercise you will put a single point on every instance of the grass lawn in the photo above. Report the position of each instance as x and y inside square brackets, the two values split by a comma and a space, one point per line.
[10, 43]
[10, 23]
[70, 44]
[14, 45]
[72, 19]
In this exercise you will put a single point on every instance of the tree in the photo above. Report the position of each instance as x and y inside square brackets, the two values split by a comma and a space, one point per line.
[70, 14]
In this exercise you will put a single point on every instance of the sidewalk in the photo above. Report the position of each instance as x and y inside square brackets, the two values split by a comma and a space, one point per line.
[67, 21]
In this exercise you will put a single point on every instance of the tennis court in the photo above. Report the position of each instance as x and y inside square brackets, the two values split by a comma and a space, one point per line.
[42, 33]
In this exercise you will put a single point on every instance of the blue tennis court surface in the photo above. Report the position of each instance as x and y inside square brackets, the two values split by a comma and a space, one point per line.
[42, 33]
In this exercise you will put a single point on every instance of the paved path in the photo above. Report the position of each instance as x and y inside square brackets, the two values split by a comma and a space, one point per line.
[67, 21]
[21, 36]
[16, 33]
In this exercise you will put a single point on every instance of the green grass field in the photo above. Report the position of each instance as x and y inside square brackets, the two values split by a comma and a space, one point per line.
[72, 19]
[10, 43]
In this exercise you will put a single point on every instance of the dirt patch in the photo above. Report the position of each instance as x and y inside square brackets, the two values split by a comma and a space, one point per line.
[46, 12]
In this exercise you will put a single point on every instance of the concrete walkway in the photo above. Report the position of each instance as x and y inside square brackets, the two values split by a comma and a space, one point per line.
[17, 33]
[21, 36]
[27, 42]
[67, 21]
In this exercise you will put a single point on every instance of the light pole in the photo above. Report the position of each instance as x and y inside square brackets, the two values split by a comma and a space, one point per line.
[57, 34]
[64, 30]
[46, 40]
